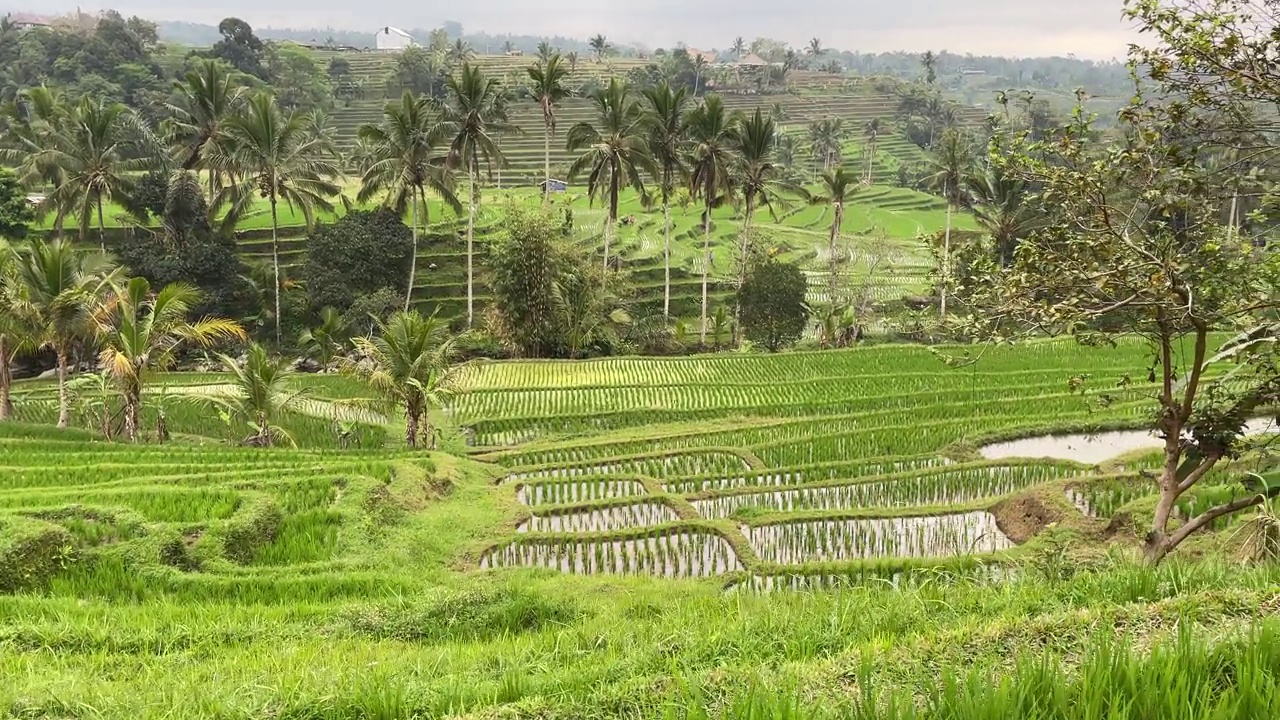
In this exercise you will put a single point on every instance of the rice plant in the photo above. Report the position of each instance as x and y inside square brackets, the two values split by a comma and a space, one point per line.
[864, 538]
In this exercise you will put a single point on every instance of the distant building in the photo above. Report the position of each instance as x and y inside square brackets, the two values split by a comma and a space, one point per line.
[751, 60]
[393, 39]
[707, 57]
[27, 21]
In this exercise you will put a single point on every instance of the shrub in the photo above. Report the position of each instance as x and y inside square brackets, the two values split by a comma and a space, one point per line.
[31, 552]
[364, 252]
[773, 305]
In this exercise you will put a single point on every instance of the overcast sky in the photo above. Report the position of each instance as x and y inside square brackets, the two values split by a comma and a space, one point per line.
[1087, 28]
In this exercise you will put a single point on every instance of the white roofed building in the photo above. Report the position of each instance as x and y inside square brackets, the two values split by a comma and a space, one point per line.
[392, 39]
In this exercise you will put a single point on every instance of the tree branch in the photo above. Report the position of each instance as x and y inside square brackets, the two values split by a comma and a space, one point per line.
[1210, 515]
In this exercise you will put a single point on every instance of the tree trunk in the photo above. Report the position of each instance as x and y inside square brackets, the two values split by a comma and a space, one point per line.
[411, 429]
[831, 254]
[612, 221]
[413, 261]
[471, 228]
[666, 257]
[6, 380]
[64, 403]
[706, 266]
[131, 402]
[546, 162]
[945, 273]
[743, 246]
[275, 267]
[102, 229]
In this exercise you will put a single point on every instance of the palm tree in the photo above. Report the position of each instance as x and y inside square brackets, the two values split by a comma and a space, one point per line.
[950, 165]
[32, 122]
[998, 201]
[815, 48]
[401, 159]
[139, 333]
[699, 67]
[96, 154]
[929, 61]
[545, 51]
[668, 134]
[548, 89]
[16, 332]
[475, 115]
[208, 98]
[408, 362]
[838, 189]
[461, 52]
[61, 287]
[739, 47]
[573, 61]
[600, 46]
[710, 159]
[274, 155]
[872, 131]
[262, 394]
[615, 151]
[758, 179]
[325, 339]
[826, 137]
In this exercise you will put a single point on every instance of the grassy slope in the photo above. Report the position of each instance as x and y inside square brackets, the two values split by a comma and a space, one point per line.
[149, 616]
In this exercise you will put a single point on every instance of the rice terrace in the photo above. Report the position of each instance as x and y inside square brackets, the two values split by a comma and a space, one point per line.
[433, 373]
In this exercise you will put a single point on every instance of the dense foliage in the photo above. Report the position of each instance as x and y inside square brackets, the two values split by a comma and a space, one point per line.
[772, 302]
[363, 252]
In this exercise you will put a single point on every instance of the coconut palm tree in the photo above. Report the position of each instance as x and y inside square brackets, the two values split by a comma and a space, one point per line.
[573, 61]
[739, 47]
[668, 134]
[475, 117]
[759, 180]
[548, 77]
[872, 131]
[929, 61]
[999, 205]
[401, 158]
[408, 362]
[600, 46]
[139, 333]
[814, 50]
[838, 189]
[16, 331]
[950, 164]
[263, 392]
[32, 122]
[699, 68]
[208, 98]
[614, 151]
[325, 339]
[274, 155]
[97, 152]
[545, 51]
[710, 159]
[460, 52]
[826, 137]
[61, 287]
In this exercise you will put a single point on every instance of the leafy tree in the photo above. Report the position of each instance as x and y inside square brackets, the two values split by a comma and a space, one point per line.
[421, 71]
[363, 252]
[548, 79]
[614, 152]
[274, 155]
[772, 302]
[263, 391]
[837, 190]
[240, 48]
[189, 251]
[408, 363]
[475, 115]
[588, 305]
[1133, 245]
[15, 211]
[668, 119]
[403, 161]
[61, 287]
[710, 161]
[526, 262]
[297, 79]
[140, 332]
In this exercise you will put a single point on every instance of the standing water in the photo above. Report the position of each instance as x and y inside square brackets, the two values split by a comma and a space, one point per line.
[1094, 448]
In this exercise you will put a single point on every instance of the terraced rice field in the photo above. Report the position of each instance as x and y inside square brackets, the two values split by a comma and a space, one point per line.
[802, 460]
